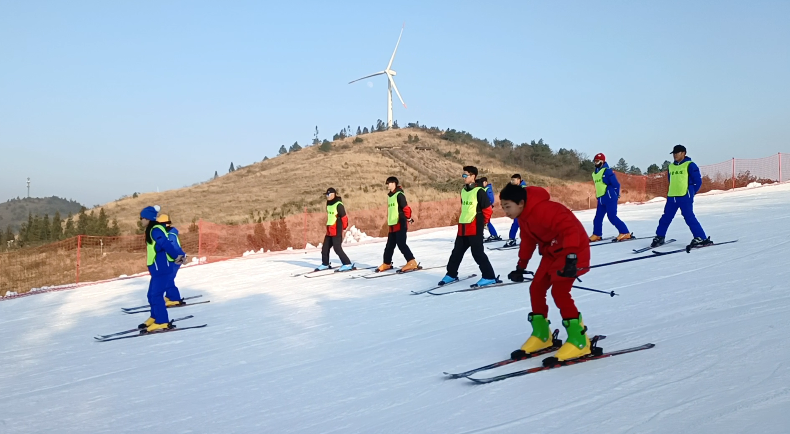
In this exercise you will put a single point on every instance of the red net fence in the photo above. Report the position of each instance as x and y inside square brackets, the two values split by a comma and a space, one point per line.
[71, 262]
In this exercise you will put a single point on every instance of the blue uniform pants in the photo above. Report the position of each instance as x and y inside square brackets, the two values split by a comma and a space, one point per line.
[607, 208]
[513, 229]
[492, 230]
[172, 293]
[686, 206]
[156, 296]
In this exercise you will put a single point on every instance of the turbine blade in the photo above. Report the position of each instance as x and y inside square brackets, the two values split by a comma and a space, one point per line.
[368, 76]
[396, 90]
[396, 47]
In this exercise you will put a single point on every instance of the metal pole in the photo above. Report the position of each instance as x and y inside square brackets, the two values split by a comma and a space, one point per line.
[304, 227]
[79, 247]
[780, 167]
[733, 173]
[200, 239]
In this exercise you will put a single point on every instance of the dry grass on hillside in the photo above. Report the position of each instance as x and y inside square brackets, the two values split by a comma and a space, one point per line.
[287, 184]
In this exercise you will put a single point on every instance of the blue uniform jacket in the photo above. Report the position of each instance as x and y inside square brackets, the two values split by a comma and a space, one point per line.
[172, 235]
[490, 193]
[612, 184]
[695, 177]
[163, 248]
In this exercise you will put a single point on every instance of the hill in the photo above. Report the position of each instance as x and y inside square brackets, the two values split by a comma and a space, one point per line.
[14, 212]
[429, 166]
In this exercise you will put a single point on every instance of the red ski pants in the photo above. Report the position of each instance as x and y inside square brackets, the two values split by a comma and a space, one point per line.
[546, 277]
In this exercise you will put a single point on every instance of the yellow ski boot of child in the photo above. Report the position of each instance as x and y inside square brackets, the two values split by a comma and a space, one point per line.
[384, 267]
[171, 303]
[410, 266]
[147, 323]
[623, 237]
[158, 327]
[594, 238]
[541, 334]
[578, 343]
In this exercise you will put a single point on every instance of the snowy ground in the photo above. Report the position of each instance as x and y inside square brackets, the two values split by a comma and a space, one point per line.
[290, 354]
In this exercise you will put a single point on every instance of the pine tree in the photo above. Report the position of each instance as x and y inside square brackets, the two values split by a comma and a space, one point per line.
[359, 131]
[621, 166]
[9, 235]
[295, 147]
[283, 150]
[365, 131]
[232, 169]
[102, 223]
[115, 231]
[315, 138]
[653, 169]
[395, 125]
[633, 170]
[216, 175]
[665, 166]
[57, 229]
[70, 231]
[82, 223]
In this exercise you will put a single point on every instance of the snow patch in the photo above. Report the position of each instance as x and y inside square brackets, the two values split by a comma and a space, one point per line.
[354, 235]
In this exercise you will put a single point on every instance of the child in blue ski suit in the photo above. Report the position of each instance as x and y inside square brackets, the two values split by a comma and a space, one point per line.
[515, 180]
[172, 294]
[490, 192]
[607, 192]
[158, 248]
[685, 181]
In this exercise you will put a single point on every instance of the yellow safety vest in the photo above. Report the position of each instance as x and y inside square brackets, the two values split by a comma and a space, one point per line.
[468, 205]
[393, 216]
[600, 187]
[678, 179]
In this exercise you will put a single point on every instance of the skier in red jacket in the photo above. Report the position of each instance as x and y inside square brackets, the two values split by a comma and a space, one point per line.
[562, 242]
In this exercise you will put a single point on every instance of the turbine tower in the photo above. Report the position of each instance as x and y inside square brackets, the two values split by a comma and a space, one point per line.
[390, 82]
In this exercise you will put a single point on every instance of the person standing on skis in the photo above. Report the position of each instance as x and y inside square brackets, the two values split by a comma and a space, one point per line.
[172, 294]
[607, 190]
[514, 180]
[161, 256]
[398, 219]
[490, 192]
[475, 213]
[685, 181]
[565, 249]
[336, 223]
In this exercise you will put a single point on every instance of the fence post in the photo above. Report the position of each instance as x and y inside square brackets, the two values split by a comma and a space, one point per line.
[79, 247]
[200, 240]
[733, 173]
[780, 167]
[304, 227]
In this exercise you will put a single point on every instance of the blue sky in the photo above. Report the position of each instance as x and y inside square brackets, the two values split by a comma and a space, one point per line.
[100, 99]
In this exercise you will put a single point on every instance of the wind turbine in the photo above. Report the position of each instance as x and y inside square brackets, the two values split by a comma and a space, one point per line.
[390, 82]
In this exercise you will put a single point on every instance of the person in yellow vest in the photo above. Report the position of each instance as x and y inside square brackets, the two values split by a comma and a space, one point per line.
[172, 294]
[336, 223]
[398, 219]
[476, 211]
[607, 192]
[685, 181]
[159, 252]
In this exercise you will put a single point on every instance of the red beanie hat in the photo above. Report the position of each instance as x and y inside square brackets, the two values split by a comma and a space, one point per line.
[600, 156]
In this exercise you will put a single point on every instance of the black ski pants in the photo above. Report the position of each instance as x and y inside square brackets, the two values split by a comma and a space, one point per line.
[337, 243]
[397, 239]
[475, 242]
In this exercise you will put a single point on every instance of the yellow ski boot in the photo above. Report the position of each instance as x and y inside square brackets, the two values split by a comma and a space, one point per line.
[410, 266]
[623, 237]
[153, 328]
[171, 303]
[578, 343]
[541, 337]
[384, 267]
[594, 238]
[147, 323]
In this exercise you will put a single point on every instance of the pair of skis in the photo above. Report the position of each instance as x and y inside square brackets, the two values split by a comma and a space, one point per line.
[656, 254]
[127, 334]
[146, 308]
[548, 363]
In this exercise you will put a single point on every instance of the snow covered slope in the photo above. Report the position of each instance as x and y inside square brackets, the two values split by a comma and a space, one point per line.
[333, 354]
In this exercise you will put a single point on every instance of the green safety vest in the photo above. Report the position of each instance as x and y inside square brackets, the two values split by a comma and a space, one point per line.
[678, 179]
[331, 213]
[393, 216]
[151, 247]
[600, 187]
[468, 205]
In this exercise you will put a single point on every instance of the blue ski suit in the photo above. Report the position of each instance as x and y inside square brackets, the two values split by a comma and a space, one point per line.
[514, 226]
[607, 204]
[161, 270]
[490, 193]
[685, 203]
[172, 293]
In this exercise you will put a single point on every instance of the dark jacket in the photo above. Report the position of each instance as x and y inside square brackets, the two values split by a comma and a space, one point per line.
[342, 218]
[404, 211]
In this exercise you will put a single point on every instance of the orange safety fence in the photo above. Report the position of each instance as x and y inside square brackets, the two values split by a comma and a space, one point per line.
[90, 258]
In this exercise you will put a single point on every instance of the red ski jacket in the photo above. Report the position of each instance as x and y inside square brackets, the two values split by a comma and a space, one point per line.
[553, 229]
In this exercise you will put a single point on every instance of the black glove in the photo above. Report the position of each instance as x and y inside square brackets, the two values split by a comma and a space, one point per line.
[411, 221]
[180, 259]
[570, 267]
[517, 275]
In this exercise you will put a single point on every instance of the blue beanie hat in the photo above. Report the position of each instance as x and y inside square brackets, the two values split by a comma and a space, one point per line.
[150, 212]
